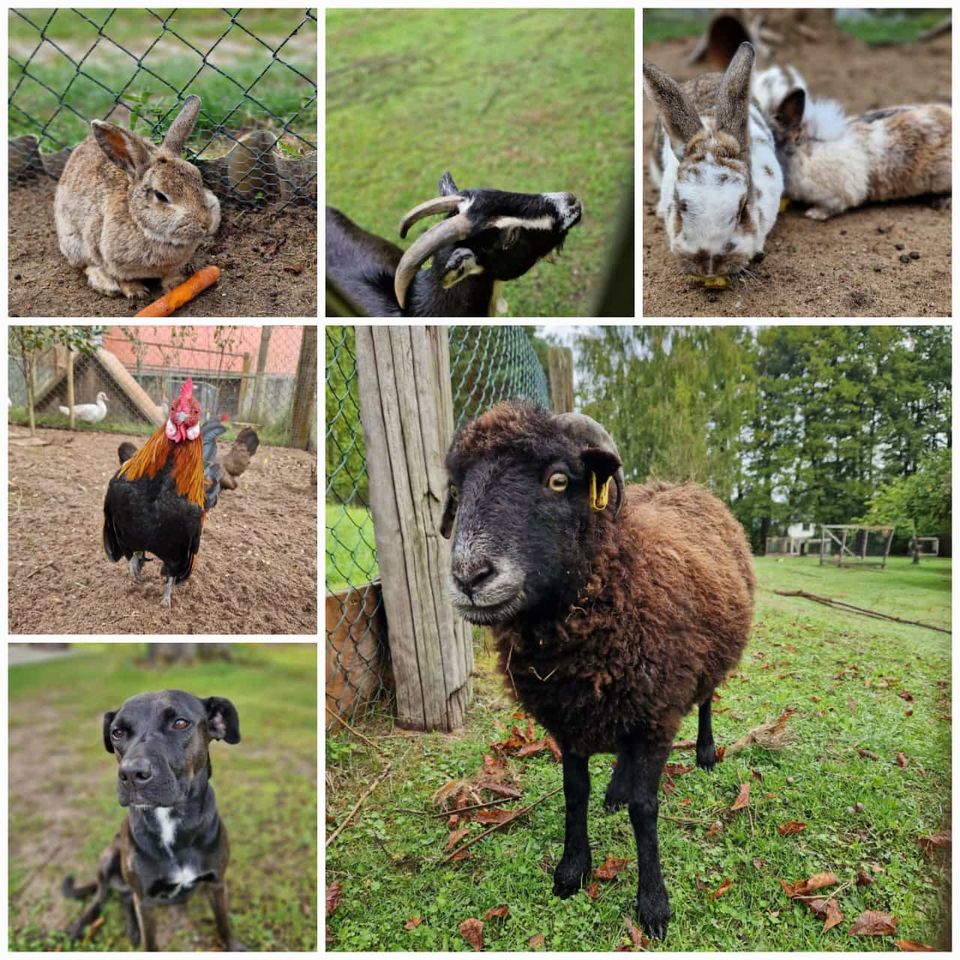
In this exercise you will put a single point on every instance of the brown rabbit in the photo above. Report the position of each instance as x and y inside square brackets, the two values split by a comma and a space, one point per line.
[127, 210]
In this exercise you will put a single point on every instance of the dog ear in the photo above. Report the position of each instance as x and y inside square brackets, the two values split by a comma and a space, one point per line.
[222, 720]
[107, 724]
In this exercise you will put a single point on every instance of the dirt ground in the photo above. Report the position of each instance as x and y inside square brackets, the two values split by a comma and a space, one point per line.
[256, 572]
[269, 266]
[848, 266]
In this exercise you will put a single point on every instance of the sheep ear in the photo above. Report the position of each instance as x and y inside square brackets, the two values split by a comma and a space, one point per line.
[790, 112]
[601, 465]
[449, 514]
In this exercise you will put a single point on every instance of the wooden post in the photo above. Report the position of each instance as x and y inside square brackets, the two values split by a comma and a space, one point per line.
[407, 412]
[243, 399]
[560, 373]
[70, 391]
[843, 547]
[265, 333]
[305, 391]
[886, 549]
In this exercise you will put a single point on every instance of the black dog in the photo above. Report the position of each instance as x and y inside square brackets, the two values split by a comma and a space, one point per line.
[172, 838]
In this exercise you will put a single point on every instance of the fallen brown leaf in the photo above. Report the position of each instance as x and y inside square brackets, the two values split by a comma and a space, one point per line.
[461, 855]
[804, 887]
[501, 789]
[536, 941]
[638, 940]
[902, 760]
[497, 815]
[721, 890]
[677, 769]
[826, 910]
[863, 878]
[334, 896]
[667, 785]
[715, 828]
[758, 864]
[493, 767]
[534, 746]
[412, 923]
[610, 867]
[554, 749]
[720, 752]
[910, 946]
[502, 911]
[456, 836]
[932, 845]
[592, 890]
[867, 754]
[790, 828]
[472, 931]
[904, 695]
[873, 923]
[743, 797]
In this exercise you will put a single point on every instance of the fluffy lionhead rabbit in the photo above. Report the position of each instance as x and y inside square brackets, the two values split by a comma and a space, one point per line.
[770, 86]
[714, 162]
[835, 163]
[127, 210]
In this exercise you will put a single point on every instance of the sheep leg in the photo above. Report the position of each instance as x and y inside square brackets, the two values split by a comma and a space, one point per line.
[653, 904]
[706, 750]
[574, 866]
[618, 790]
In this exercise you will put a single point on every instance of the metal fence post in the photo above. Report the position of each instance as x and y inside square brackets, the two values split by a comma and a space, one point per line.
[407, 412]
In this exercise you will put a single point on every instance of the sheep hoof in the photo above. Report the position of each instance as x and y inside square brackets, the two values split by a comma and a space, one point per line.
[568, 878]
[653, 912]
[706, 757]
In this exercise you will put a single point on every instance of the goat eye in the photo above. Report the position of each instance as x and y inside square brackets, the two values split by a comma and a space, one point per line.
[162, 197]
[558, 482]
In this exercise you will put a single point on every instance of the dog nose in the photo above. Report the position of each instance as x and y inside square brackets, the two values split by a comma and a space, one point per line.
[135, 772]
[470, 577]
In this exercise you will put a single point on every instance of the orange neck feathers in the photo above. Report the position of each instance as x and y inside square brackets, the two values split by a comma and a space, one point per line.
[187, 470]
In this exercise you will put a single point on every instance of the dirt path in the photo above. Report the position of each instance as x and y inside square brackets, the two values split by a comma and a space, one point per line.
[849, 266]
[256, 572]
[269, 265]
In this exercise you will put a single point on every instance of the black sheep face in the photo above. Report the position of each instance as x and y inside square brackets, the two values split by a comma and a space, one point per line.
[519, 546]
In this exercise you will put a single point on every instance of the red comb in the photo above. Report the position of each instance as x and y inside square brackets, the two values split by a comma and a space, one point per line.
[186, 391]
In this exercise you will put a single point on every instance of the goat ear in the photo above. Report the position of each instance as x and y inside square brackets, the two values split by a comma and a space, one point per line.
[462, 263]
[790, 112]
[447, 186]
[449, 514]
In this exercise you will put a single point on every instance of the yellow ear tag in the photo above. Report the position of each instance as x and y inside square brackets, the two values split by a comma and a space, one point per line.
[784, 203]
[599, 498]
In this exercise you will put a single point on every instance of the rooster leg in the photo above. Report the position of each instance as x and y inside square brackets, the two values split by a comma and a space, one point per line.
[135, 565]
[166, 599]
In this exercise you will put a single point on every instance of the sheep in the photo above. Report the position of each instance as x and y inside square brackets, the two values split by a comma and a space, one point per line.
[488, 236]
[610, 624]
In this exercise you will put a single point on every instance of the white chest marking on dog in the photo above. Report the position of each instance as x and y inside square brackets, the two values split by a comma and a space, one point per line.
[183, 877]
[168, 827]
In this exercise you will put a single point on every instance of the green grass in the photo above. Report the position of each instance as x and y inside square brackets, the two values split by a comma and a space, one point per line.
[239, 81]
[265, 785]
[522, 100]
[842, 673]
[351, 547]
[668, 24]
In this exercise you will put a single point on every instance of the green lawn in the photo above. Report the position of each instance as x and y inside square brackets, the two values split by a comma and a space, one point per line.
[854, 683]
[351, 547]
[265, 786]
[133, 53]
[518, 99]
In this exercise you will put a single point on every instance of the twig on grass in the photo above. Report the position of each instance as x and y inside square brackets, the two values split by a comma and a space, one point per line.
[843, 605]
[336, 716]
[499, 826]
[384, 773]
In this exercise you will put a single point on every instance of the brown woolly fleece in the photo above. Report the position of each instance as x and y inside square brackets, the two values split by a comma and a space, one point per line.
[661, 622]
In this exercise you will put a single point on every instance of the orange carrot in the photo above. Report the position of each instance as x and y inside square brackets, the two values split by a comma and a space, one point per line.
[178, 296]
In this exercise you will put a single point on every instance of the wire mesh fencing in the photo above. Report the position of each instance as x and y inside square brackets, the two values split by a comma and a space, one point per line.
[252, 375]
[255, 141]
[487, 365]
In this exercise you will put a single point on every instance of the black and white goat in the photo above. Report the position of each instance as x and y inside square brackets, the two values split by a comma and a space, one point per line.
[487, 236]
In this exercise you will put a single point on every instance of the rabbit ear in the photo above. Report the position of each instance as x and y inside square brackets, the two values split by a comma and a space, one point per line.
[790, 112]
[678, 113]
[180, 128]
[733, 97]
[128, 151]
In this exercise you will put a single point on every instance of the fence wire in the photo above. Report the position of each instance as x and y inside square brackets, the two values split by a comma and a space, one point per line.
[487, 365]
[249, 374]
[255, 70]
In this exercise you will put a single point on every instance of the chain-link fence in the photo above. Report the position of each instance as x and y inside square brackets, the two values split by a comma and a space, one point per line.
[255, 71]
[487, 365]
[257, 377]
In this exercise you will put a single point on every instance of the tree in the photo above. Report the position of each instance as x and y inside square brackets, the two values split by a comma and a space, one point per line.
[920, 501]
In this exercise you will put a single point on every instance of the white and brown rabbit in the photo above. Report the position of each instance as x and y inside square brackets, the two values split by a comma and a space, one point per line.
[714, 162]
[127, 210]
[834, 163]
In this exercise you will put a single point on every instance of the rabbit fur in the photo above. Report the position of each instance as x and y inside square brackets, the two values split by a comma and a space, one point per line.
[127, 210]
[715, 165]
[835, 163]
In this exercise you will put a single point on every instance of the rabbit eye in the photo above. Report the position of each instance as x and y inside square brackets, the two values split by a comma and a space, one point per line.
[162, 197]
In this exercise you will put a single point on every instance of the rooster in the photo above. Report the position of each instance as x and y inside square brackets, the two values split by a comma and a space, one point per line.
[158, 500]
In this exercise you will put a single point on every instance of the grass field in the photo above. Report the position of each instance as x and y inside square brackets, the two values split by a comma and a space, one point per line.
[351, 547]
[855, 684]
[265, 787]
[521, 100]
[133, 53]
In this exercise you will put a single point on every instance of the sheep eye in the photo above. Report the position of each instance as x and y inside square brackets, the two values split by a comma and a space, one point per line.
[558, 482]
[162, 197]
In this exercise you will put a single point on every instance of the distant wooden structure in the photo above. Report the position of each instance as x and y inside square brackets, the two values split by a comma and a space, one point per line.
[560, 375]
[840, 534]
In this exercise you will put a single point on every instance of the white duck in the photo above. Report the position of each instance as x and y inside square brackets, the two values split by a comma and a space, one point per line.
[90, 412]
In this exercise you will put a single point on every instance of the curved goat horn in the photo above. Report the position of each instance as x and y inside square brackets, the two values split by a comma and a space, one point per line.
[427, 244]
[585, 430]
[428, 208]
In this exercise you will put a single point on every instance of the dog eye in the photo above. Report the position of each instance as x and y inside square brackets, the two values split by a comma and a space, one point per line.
[162, 197]
[558, 482]
[180, 724]
[117, 734]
